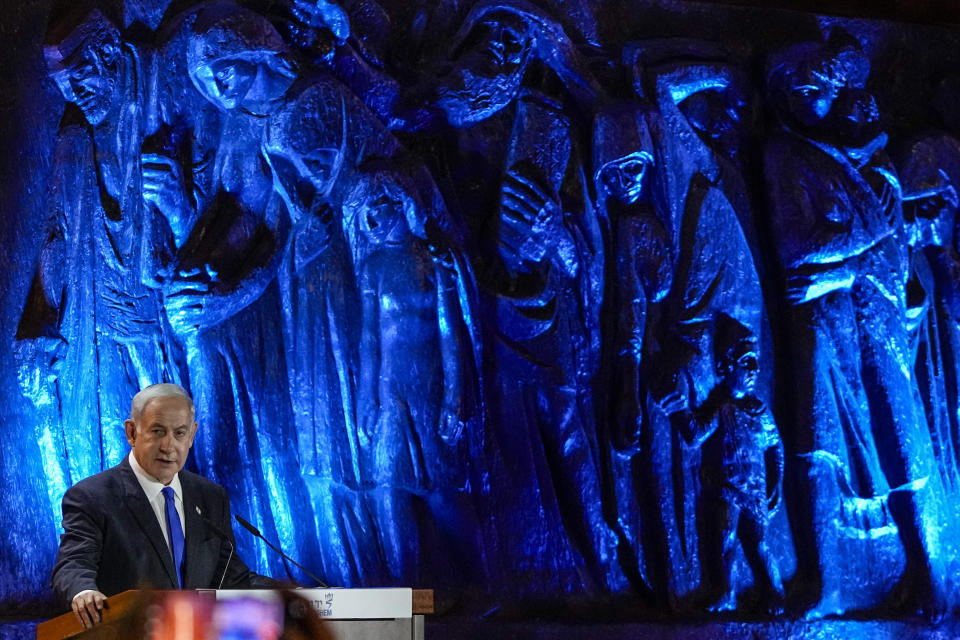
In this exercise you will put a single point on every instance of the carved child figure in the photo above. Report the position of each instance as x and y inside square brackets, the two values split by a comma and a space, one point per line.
[741, 471]
[414, 346]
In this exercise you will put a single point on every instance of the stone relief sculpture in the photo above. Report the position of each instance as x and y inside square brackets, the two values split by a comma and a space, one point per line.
[490, 285]
[639, 273]
[836, 202]
[695, 264]
[741, 471]
[412, 321]
[223, 282]
[544, 282]
[702, 96]
[928, 168]
[93, 331]
[314, 139]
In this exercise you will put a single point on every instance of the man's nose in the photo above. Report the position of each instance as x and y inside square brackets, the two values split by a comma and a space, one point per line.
[83, 86]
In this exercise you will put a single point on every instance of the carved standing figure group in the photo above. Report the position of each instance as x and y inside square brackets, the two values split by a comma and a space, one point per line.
[477, 303]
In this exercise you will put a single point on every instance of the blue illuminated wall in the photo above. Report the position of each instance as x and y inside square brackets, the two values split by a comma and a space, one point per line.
[521, 301]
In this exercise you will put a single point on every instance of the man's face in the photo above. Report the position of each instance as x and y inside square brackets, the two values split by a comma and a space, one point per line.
[487, 74]
[501, 44]
[89, 79]
[162, 437]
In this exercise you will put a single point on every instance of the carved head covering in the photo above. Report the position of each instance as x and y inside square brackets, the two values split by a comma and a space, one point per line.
[622, 150]
[306, 145]
[227, 32]
[493, 48]
[74, 30]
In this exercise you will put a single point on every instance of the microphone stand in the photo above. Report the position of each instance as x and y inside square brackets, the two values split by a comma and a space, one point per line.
[256, 532]
[223, 536]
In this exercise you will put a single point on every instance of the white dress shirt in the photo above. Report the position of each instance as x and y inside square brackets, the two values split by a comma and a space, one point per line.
[152, 488]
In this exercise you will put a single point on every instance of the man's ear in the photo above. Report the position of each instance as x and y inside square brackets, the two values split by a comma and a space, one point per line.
[193, 432]
[131, 428]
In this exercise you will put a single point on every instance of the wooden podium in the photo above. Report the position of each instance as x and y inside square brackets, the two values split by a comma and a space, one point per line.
[343, 614]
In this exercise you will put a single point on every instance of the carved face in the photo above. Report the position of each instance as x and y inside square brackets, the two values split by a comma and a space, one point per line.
[487, 74]
[931, 215]
[810, 96]
[742, 378]
[226, 81]
[623, 178]
[88, 77]
[382, 214]
[855, 117]
[500, 44]
[716, 116]
[162, 437]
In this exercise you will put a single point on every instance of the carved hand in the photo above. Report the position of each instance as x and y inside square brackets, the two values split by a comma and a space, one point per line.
[163, 186]
[674, 402]
[531, 218]
[324, 15]
[803, 287]
[39, 361]
[368, 413]
[451, 426]
[183, 299]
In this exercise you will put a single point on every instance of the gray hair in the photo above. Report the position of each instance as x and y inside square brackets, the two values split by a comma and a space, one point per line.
[161, 390]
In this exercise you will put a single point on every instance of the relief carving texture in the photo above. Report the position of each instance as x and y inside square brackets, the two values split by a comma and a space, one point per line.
[517, 300]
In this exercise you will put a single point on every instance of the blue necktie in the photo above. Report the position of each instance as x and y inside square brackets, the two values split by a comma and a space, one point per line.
[175, 531]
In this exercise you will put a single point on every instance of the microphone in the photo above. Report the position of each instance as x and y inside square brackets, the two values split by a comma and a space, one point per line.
[217, 530]
[252, 529]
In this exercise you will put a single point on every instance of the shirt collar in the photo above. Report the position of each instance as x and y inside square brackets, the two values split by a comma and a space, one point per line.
[150, 485]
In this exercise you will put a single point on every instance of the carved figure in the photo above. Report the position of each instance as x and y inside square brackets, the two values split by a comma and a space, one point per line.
[642, 254]
[311, 134]
[539, 250]
[838, 233]
[690, 261]
[639, 272]
[703, 99]
[929, 167]
[314, 139]
[741, 471]
[221, 296]
[416, 386]
[91, 327]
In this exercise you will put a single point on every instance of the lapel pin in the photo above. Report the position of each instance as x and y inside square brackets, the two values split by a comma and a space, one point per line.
[198, 510]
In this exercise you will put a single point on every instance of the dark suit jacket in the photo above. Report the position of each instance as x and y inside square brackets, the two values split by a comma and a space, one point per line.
[112, 540]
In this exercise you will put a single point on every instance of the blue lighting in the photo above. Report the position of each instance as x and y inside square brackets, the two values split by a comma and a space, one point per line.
[466, 300]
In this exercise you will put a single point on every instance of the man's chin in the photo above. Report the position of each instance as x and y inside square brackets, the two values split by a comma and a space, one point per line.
[95, 114]
[164, 471]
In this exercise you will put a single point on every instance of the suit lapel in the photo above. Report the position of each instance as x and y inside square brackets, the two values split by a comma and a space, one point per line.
[200, 552]
[143, 513]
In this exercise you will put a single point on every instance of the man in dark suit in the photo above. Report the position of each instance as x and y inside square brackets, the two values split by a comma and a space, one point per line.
[146, 522]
